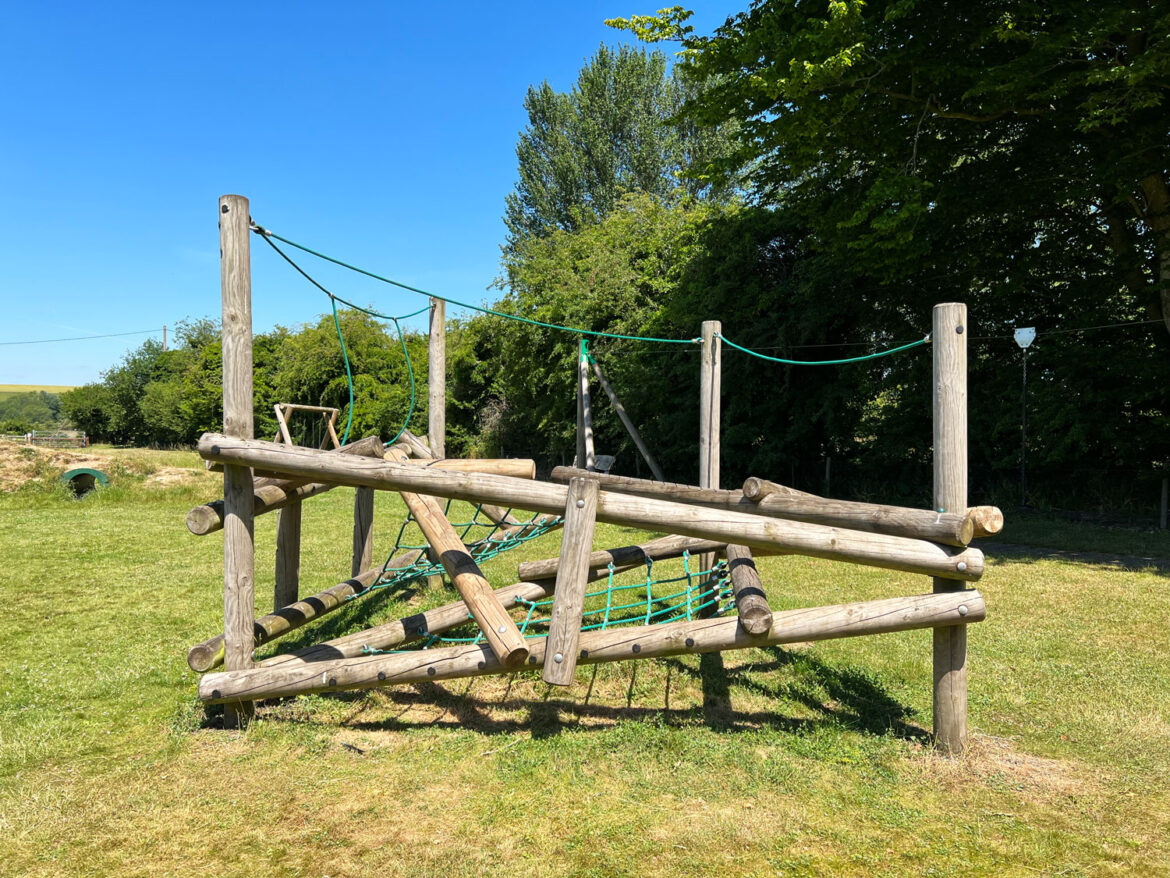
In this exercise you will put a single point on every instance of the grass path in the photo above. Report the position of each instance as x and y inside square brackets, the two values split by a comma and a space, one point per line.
[800, 761]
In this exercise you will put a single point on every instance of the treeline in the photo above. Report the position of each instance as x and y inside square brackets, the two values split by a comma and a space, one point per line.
[165, 398]
[25, 412]
[816, 177]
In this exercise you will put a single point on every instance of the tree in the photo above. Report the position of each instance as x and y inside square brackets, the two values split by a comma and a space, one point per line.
[612, 134]
[1015, 156]
[965, 135]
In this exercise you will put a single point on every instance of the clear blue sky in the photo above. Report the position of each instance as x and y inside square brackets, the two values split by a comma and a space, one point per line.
[383, 133]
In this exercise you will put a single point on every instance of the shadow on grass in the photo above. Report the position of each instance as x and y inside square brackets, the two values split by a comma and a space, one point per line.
[824, 695]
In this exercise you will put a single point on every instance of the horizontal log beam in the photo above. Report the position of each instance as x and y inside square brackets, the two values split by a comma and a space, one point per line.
[618, 644]
[761, 497]
[655, 550]
[516, 467]
[756, 531]
[969, 524]
[272, 493]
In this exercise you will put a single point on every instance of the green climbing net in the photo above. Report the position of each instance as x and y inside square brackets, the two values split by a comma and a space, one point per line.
[679, 590]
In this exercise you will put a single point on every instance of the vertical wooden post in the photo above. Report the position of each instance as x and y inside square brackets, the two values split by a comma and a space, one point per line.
[949, 340]
[239, 599]
[579, 460]
[363, 530]
[572, 575]
[437, 380]
[585, 411]
[710, 381]
[288, 557]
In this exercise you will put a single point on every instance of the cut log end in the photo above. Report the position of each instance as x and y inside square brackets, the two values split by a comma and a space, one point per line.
[202, 520]
[755, 489]
[202, 657]
[987, 520]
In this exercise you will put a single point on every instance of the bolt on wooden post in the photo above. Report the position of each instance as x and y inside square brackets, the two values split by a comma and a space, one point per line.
[239, 560]
[949, 341]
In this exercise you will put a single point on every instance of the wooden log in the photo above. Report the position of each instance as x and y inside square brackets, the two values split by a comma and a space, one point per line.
[513, 467]
[275, 493]
[949, 340]
[590, 459]
[778, 501]
[756, 531]
[437, 378]
[948, 527]
[625, 556]
[618, 644]
[750, 601]
[710, 413]
[370, 446]
[363, 530]
[208, 518]
[579, 459]
[756, 489]
[418, 445]
[572, 575]
[239, 559]
[499, 630]
[627, 423]
[288, 556]
[209, 654]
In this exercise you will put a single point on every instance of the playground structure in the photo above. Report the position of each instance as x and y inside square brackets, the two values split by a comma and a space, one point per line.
[703, 521]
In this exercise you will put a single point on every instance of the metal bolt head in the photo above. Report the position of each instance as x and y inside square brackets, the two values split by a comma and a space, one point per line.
[501, 629]
[959, 329]
[558, 658]
[580, 504]
[961, 566]
[962, 609]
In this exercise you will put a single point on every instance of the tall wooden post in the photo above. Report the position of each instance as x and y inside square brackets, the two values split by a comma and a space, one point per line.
[949, 339]
[239, 599]
[288, 556]
[587, 459]
[437, 380]
[363, 530]
[710, 385]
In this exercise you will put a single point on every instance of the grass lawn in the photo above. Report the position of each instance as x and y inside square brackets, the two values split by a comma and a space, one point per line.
[796, 761]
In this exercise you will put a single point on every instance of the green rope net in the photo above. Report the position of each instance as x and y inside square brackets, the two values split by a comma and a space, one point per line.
[627, 597]
[484, 538]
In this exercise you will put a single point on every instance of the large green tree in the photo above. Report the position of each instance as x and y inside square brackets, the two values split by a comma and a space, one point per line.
[613, 133]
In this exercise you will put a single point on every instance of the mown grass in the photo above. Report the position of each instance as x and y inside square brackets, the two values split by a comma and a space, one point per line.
[800, 761]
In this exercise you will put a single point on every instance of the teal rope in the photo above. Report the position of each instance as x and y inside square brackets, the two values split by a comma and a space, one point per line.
[348, 373]
[333, 300]
[884, 353]
[268, 233]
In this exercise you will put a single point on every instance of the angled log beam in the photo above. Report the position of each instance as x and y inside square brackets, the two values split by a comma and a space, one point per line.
[756, 531]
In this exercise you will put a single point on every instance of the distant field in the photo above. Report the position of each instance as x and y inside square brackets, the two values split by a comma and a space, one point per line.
[7, 390]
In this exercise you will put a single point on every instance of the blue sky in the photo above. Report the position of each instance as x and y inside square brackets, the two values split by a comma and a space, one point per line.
[382, 133]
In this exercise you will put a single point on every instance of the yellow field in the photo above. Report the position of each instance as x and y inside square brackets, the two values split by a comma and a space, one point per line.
[7, 390]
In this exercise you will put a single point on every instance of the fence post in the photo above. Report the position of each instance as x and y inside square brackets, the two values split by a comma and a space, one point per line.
[710, 387]
[239, 599]
[949, 340]
[437, 380]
